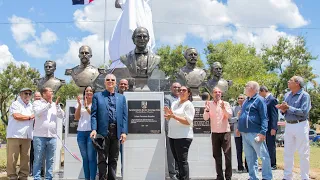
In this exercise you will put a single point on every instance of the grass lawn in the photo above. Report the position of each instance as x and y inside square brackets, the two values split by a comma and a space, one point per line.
[314, 161]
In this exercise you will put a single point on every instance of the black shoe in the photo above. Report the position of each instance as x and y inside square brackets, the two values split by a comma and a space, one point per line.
[274, 168]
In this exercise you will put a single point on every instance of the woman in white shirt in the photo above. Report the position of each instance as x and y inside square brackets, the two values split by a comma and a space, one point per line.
[88, 153]
[180, 134]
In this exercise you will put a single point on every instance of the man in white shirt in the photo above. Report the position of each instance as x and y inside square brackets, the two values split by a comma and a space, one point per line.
[46, 113]
[19, 135]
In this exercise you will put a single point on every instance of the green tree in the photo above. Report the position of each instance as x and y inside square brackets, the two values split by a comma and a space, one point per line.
[172, 59]
[288, 58]
[68, 91]
[315, 105]
[240, 64]
[12, 79]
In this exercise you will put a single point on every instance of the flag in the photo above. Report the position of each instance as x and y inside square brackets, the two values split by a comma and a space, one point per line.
[75, 2]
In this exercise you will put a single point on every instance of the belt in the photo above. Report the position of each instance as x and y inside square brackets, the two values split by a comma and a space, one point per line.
[295, 121]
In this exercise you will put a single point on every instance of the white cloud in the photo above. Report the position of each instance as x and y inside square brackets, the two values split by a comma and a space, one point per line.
[24, 33]
[205, 19]
[71, 56]
[6, 57]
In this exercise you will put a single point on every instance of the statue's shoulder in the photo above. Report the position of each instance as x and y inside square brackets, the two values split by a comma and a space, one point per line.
[69, 71]
[200, 70]
[124, 58]
[62, 81]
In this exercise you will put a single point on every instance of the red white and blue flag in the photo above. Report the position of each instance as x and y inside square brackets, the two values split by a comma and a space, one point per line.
[75, 2]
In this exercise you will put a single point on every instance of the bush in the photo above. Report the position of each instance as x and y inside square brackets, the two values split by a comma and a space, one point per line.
[315, 144]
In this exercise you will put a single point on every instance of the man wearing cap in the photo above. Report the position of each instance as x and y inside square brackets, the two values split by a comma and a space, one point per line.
[19, 135]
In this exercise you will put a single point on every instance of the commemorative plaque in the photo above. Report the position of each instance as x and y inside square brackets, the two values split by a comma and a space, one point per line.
[144, 117]
[200, 126]
[73, 125]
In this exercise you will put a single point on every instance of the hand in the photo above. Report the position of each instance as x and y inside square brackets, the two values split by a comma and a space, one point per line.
[262, 137]
[123, 138]
[93, 134]
[238, 132]
[222, 105]
[207, 106]
[79, 100]
[168, 113]
[31, 117]
[57, 101]
[273, 132]
[238, 114]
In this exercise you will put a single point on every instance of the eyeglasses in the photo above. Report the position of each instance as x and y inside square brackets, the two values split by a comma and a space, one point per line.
[110, 80]
[27, 94]
[183, 90]
[176, 87]
[240, 98]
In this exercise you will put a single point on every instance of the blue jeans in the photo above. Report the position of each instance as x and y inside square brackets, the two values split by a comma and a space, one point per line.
[253, 150]
[43, 146]
[88, 153]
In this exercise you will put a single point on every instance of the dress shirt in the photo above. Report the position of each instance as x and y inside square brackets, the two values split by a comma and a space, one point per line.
[112, 107]
[16, 128]
[235, 119]
[46, 116]
[218, 117]
[177, 130]
[299, 105]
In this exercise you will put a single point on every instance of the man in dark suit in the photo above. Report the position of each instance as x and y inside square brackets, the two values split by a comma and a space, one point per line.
[109, 118]
[272, 124]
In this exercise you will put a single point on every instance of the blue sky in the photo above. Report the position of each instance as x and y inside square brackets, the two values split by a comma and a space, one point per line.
[57, 36]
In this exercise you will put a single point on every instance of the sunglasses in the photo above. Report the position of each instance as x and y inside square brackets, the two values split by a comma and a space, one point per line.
[240, 98]
[183, 90]
[27, 94]
[110, 80]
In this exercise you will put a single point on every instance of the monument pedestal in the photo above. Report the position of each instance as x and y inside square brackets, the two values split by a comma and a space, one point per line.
[144, 150]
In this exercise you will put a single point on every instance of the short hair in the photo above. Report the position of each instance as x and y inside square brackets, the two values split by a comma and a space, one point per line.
[242, 95]
[185, 52]
[205, 96]
[50, 61]
[299, 79]
[175, 83]
[83, 46]
[138, 29]
[110, 74]
[44, 90]
[215, 64]
[263, 88]
[254, 85]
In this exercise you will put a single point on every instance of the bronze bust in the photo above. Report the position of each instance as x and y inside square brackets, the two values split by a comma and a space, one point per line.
[49, 80]
[217, 80]
[84, 74]
[190, 75]
[140, 61]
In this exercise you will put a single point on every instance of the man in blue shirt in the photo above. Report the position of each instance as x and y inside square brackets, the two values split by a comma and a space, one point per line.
[296, 107]
[253, 125]
[109, 118]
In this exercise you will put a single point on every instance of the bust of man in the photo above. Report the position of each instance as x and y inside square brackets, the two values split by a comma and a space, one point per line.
[217, 80]
[190, 75]
[49, 80]
[84, 74]
[140, 61]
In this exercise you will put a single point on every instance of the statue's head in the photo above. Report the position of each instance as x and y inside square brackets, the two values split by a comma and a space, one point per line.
[85, 53]
[140, 37]
[191, 55]
[49, 67]
[216, 69]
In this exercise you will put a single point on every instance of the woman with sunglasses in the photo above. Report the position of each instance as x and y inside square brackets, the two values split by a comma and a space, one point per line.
[180, 134]
[88, 153]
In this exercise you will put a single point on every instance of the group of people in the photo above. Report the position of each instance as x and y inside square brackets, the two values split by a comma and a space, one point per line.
[34, 122]
[255, 122]
[103, 127]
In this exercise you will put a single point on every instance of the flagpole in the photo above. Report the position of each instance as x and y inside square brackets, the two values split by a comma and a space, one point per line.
[104, 32]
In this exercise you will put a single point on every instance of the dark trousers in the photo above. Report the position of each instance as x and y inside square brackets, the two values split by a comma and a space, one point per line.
[271, 144]
[239, 147]
[108, 170]
[31, 158]
[222, 140]
[180, 150]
